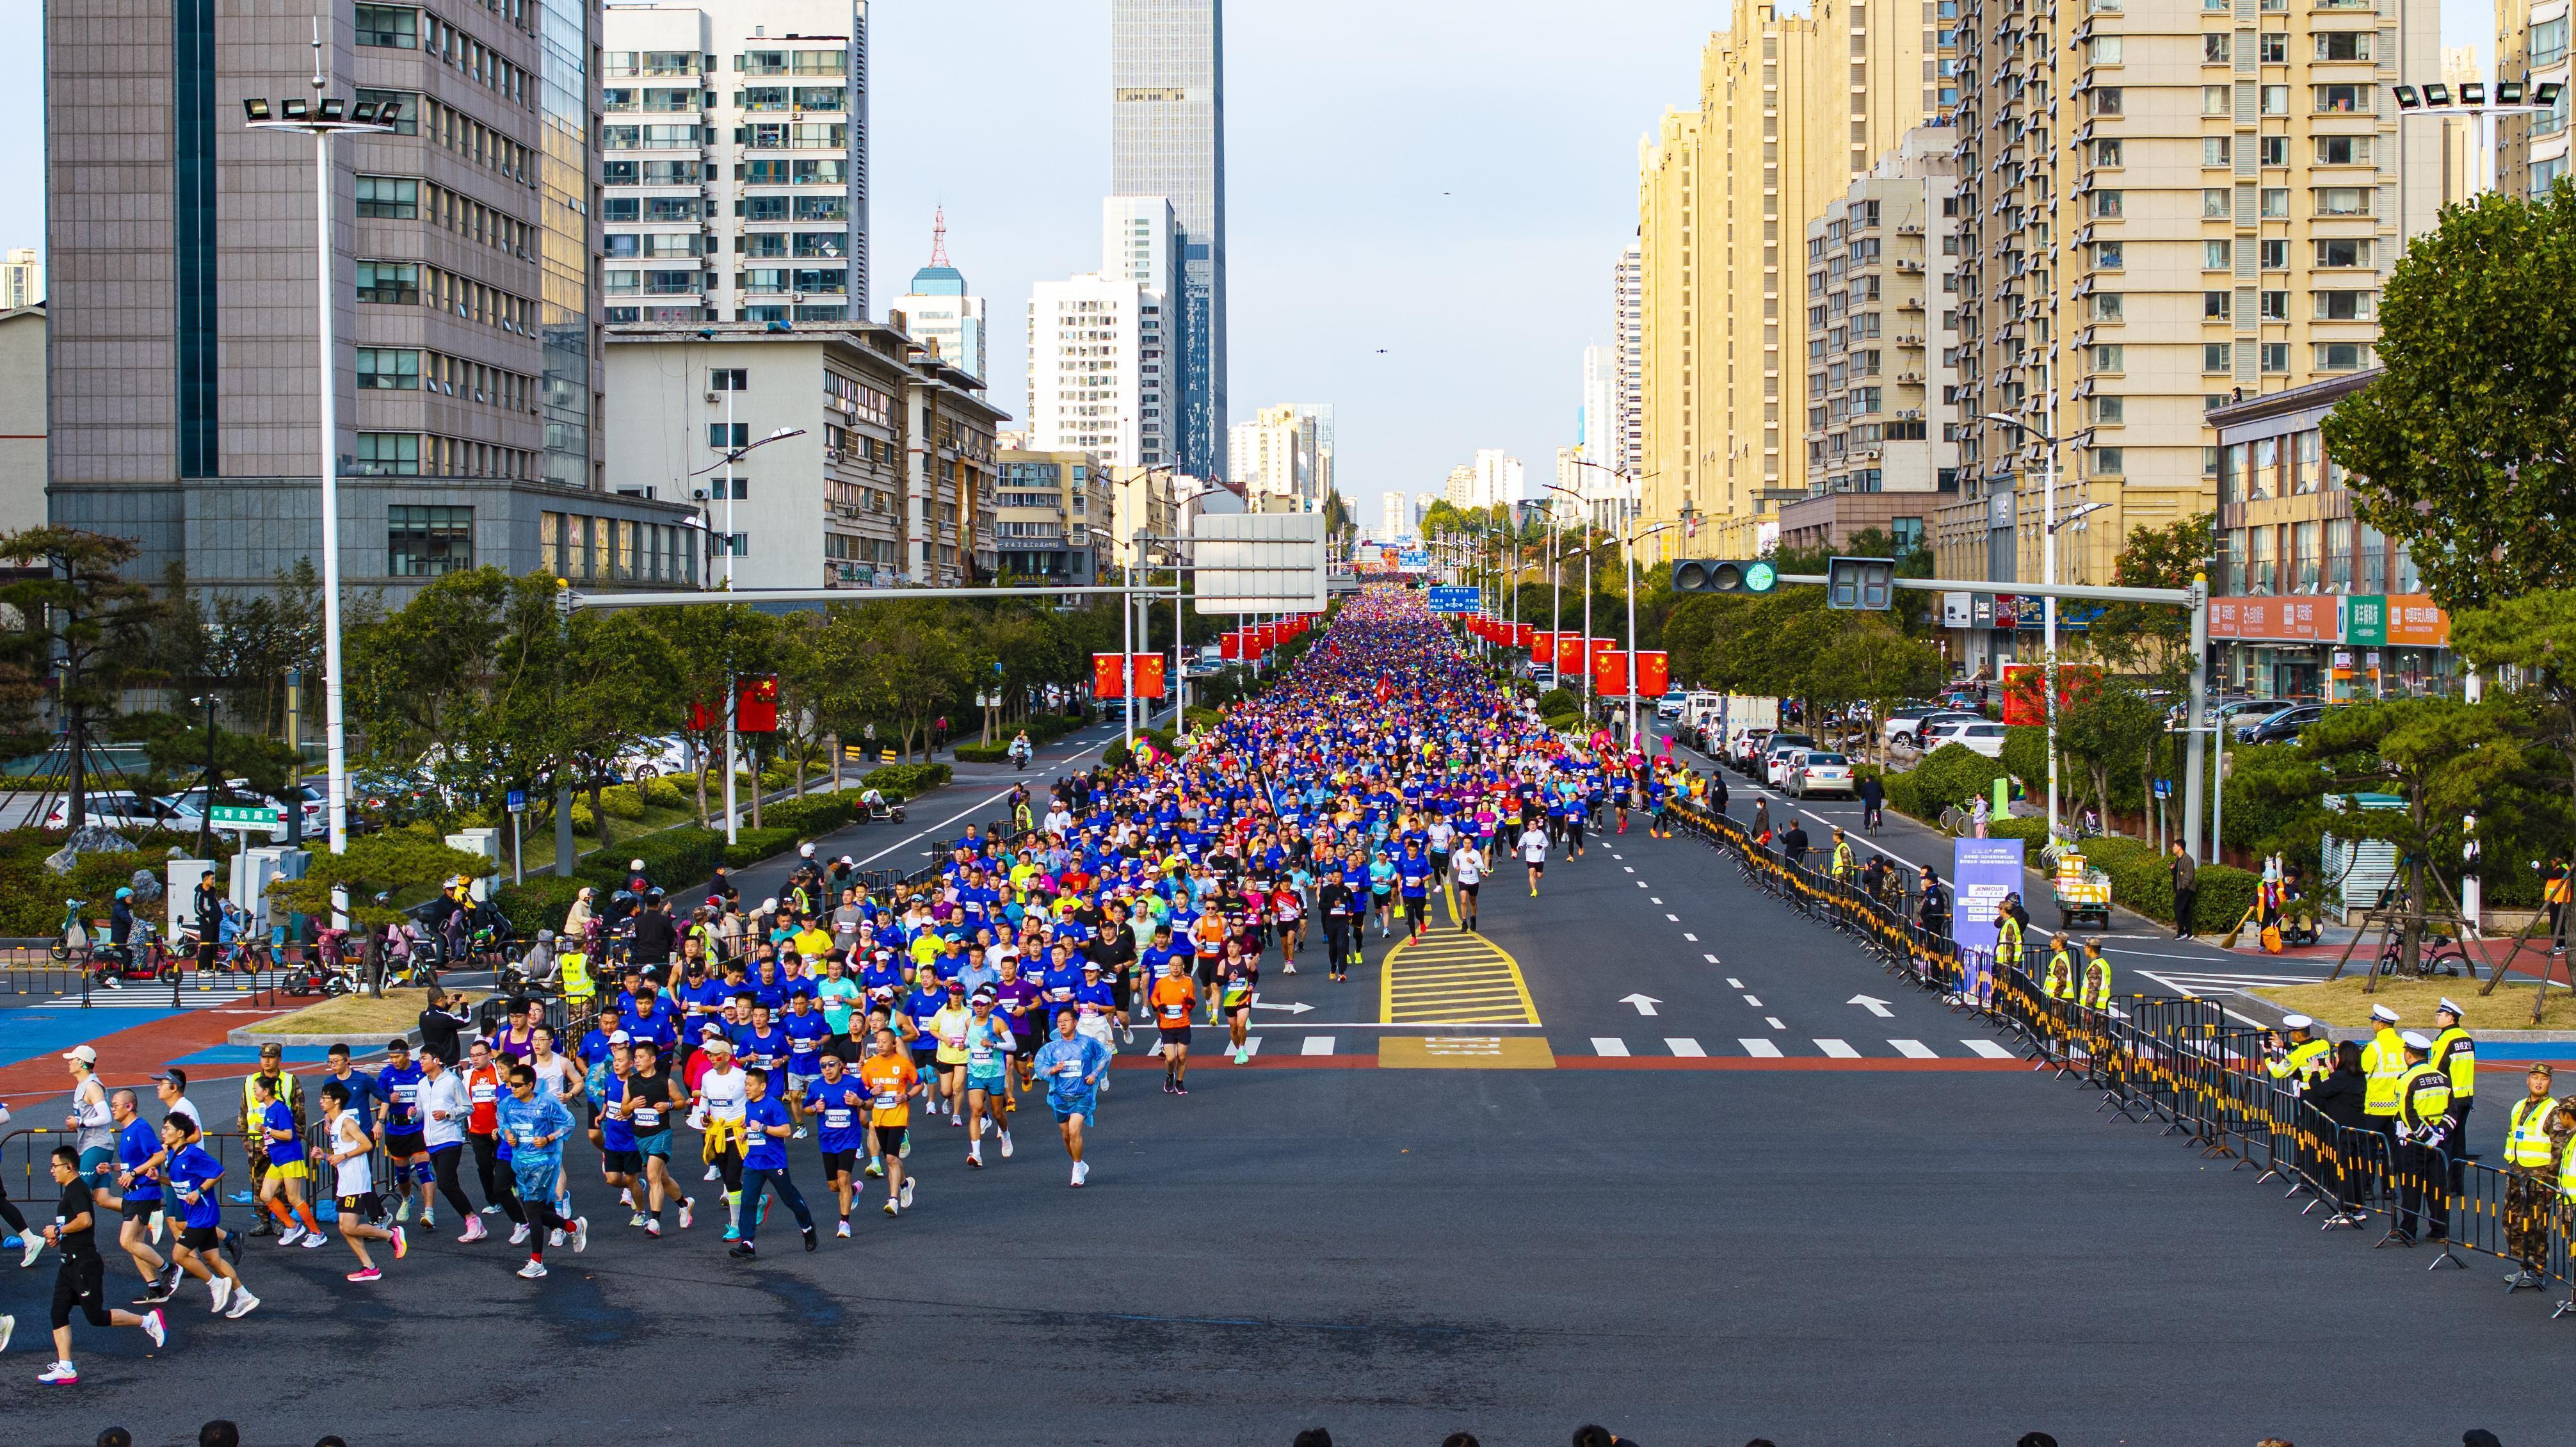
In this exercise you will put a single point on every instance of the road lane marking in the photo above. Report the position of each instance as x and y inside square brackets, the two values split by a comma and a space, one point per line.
[1459, 979]
[1609, 1045]
[1914, 1050]
[1464, 1052]
[1774, 1022]
[1760, 1049]
[1756, 1004]
[1686, 934]
[1838, 1050]
[1685, 1046]
[1317, 1045]
[1734, 984]
[1988, 1049]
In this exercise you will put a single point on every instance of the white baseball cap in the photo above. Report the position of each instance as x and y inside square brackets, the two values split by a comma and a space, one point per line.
[86, 1055]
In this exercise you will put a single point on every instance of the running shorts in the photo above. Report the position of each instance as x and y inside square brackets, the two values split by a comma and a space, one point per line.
[403, 1145]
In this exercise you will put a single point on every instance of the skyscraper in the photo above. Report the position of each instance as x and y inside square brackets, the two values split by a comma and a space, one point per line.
[1088, 389]
[1167, 138]
[938, 312]
[1141, 241]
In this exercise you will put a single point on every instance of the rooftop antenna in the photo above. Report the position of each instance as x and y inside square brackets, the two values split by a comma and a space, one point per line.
[939, 236]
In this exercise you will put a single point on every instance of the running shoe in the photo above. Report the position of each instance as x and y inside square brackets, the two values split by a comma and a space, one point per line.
[429, 1220]
[313, 1239]
[844, 1230]
[8, 1329]
[811, 1242]
[402, 1242]
[653, 1227]
[489, 1211]
[907, 1193]
[554, 1238]
[1243, 1057]
[243, 1305]
[402, 1212]
[1179, 1089]
[31, 1246]
[975, 1156]
[890, 1208]
[290, 1235]
[366, 1274]
[534, 1269]
[876, 1166]
[688, 1211]
[743, 1251]
[60, 1374]
[157, 1218]
[580, 1234]
[519, 1234]
[1006, 1145]
[730, 1233]
[635, 1219]
[713, 1174]
[473, 1229]
[223, 1287]
[626, 1198]
[799, 1134]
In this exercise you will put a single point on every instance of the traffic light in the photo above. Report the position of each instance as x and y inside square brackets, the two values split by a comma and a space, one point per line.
[1860, 583]
[1721, 575]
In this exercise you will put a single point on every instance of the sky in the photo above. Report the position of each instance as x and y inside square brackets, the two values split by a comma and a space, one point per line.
[1425, 197]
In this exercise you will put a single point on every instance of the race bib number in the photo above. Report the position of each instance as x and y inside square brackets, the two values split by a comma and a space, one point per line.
[888, 1100]
[484, 1094]
[836, 1119]
[647, 1119]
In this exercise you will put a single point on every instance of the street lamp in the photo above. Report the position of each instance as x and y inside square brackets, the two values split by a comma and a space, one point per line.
[733, 694]
[1628, 509]
[2049, 524]
[2472, 98]
[322, 117]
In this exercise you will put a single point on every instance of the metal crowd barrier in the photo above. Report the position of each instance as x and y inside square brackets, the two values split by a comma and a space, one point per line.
[26, 1155]
[2184, 1065]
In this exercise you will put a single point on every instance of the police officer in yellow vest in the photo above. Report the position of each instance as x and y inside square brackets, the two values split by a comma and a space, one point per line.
[2456, 1056]
[2528, 1195]
[1842, 857]
[2303, 1060]
[2057, 979]
[2007, 938]
[2423, 1143]
[2383, 1059]
[577, 986]
[2096, 988]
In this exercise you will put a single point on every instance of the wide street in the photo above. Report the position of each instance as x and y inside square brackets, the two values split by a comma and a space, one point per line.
[1759, 1210]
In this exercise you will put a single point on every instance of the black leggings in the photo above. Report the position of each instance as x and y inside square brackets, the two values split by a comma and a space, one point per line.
[500, 1187]
[728, 1164]
[771, 1180]
[442, 1164]
[9, 1212]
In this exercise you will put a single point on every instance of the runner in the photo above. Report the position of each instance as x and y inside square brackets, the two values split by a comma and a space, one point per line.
[445, 1108]
[140, 1156]
[535, 1123]
[1075, 1066]
[1468, 866]
[764, 1167]
[362, 1211]
[987, 1043]
[1413, 880]
[406, 1149]
[203, 1245]
[839, 1105]
[80, 1277]
[1237, 977]
[281, 1193]
[1175, 997]
[890, 1082]
[948, 1051]
[1533, 847]
[721, 1094]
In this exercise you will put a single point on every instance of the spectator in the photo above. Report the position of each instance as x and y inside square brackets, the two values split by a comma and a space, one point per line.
[219, 1433]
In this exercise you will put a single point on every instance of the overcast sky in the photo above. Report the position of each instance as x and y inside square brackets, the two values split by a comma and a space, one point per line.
[1448, 181]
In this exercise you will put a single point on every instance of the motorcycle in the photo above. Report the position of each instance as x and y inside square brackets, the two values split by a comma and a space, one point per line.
[141, 958]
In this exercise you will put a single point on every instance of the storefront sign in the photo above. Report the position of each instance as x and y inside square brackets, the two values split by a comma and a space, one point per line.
[2365, 619]
[1958, 610]
[2414, 622]
[2292, 620]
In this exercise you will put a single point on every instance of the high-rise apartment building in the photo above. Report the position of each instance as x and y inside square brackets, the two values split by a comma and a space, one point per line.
[1277, 454]
[938, 311]
[1598, 435]
[22, 279]
[1088, 387]
[1141, 240]
[1880, 367]
[468, 366]
[1791, 108]
[1167, 139]
[735, 146]
[1460, 488]
[2531, 40]
[2162, 210]
[1500, 480]
[1629, 320]
[1056, 516]
[1318, 417]
[1395, 516]
[2465, 172]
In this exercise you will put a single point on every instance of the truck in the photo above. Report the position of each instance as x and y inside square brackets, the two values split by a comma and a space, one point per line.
[1713, 722]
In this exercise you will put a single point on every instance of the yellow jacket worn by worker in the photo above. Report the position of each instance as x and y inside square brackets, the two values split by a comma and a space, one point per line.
[2423, 1104]
[2008, 941]
[2456, 1056]
[2383, 1060]
[2526, 1137]
[2302, 1063]
[1842, 860]
[2096, 990]
[2057, 981]
[576, 975]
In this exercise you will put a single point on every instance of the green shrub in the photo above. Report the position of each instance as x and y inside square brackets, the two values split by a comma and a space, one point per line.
[1202, 718]
[755, 845]
[813, 815]
[1116, 754]
[541, 903]
[1558, 700]
[622, 801]
[983, 753]
[663, 792]
[1569, 721]
[1954, 774]
[904, 781]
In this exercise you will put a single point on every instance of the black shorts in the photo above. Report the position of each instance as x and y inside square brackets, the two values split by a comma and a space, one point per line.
[622, 1163]
[1537, 866]
[1469, 890]
[1439, 866]
[401, 1145]
[201, 1238]
[366, 1210]
[838, 1163]
[1204, 969]
[1175, 1034]
[889, 1139]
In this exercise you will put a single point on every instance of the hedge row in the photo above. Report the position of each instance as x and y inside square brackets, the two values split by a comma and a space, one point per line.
[903, 781]
[31, 895]
[983, 753]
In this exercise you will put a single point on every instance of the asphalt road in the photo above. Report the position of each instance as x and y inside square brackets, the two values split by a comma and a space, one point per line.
[1880, 1248]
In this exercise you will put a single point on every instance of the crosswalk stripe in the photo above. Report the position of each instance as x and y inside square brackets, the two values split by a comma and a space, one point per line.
[1988, 1049]
[1762, 1049]
[1609, 1045]
[1914, 1050]
[1685, 1046]
[1251, 1044]
[1317, 1045]
[1838, 1050]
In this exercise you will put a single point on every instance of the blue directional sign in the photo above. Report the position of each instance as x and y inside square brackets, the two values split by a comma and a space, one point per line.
[518, 801]
[1453, 600]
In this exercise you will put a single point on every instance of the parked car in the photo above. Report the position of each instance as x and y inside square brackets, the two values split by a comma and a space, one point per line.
[2244, 713]
[120, 809]
[1670, 705]
[1747, 748]
[1812, 773]
[1776, 752]
[1906, 725]
[1976, 733]
[653, 758]
[2282, 727]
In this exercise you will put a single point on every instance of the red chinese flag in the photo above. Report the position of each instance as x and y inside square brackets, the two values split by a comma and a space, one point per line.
[1522, 633]
[1654, 674]
[703, 718]
[1569, 653]
[1230, 645]
[1609, 672]
[1108, 678]
[1542, 646]
[1149, 675]
[756, 710]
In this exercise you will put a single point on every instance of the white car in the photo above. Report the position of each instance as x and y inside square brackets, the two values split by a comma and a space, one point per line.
[1977, 734]
[1670, 705]
[1904, 724]
[120, 809]
[1813, 772]
[654, 758]
[189, 806]
[1777, 752]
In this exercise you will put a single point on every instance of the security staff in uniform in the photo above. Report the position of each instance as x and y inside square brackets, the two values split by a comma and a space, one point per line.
[2529, 1157]
[2007, 938]
[2301, 1061]
[2095, 991]
[2383, 1059]
[2456, 1055]
[2423, 1136]
[2057, 980]
[1842, 857]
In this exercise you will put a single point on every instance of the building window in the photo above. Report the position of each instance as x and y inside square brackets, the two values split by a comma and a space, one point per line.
[2108, 357]
[2216, 203]
[728, 379]
[424, 542]
[2106, 101]
[2355, 45]
[2276, 358]
[2342, 356]
[738, 432]
[2345, 306]
[393, 27]
[406, 117]
[394, 198]
[2217, 356]
[389, 283]
[2276, 100]
[2214, 256]
[2217, 150]
[2107, 205]
[2343, 150]
[2107, 256]
[2216, 100]
[388, 454]
[388, 369]
[2108, 306]
[2276, 203]
[2110, 411]
[2108, 462]
[2343, 251]
[2276, 306]
[2341, 99]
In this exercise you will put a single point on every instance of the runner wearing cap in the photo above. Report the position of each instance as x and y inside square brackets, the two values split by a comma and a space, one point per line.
[839, 1107]
[987, 1044]
[1095, 1009]
[721, 1096]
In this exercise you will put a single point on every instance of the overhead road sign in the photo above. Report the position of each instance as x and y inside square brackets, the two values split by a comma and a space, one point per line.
[1258, 562]
[1453, 600]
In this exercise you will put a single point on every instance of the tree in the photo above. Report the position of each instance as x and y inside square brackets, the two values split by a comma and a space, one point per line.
[373, 874]
[86, 624]
[1874, 663]
[711, 648]
[2463, 449]
[2153, 640]
[2535, 633]
[2106, 724]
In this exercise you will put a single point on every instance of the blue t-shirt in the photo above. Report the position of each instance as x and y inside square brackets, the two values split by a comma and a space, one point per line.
[281, 1152]
[1063, 1064]
[805, 1036]
[839, 1103]
[615, 1134]
[193, 1175]
[136, 1144]
[1415, 874]
[364, 1092]
[763, 1151]
[763, 1050]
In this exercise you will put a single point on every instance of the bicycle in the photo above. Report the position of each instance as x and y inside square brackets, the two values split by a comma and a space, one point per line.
[2434, 954]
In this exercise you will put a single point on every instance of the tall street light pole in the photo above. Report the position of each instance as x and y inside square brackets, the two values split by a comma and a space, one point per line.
[733, 691]
[2049, 523]
[321, 117]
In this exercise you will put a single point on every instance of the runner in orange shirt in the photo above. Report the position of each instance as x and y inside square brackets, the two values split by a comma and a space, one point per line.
[1173, 998]
[890, 1082]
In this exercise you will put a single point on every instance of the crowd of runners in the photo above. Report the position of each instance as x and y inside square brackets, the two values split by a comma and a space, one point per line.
[724, 1056]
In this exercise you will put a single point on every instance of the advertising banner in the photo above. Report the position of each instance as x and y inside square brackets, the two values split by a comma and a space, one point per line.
[1982, 873]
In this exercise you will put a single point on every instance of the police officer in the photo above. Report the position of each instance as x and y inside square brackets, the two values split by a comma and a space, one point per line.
[2095, 991]
[2007, 938]
[2456, 1056]
[2528, 1158]
[2423, 1135]
[2303, 1059]
[2383, 1059]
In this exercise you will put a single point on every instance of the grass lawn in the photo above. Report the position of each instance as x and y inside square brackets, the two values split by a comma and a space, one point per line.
[359, 1017]
[2341, 1002]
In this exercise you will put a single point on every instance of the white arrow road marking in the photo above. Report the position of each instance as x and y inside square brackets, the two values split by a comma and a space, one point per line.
[1645, 1003]
[1875, 1007]
[1300, 1008]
